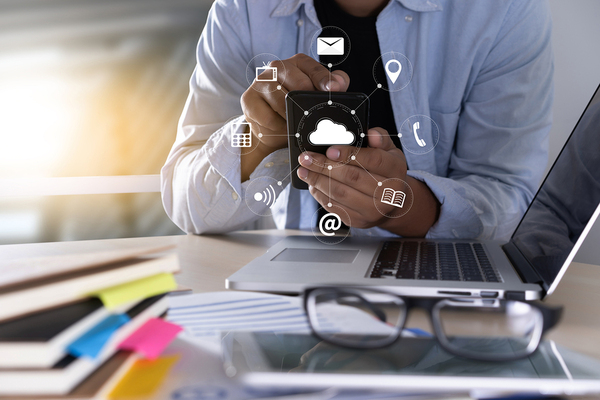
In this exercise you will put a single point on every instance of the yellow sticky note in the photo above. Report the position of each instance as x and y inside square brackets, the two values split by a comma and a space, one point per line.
[142, 288]
[144, 377]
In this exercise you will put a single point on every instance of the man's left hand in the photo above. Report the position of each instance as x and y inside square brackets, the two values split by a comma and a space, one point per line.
[353, 185]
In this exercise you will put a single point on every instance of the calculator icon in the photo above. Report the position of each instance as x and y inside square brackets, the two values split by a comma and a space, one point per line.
[239, 137]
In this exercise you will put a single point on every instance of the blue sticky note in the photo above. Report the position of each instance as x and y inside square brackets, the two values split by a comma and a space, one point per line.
[91, 343]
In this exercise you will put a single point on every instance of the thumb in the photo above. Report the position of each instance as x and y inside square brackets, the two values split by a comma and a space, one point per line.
[380, 139]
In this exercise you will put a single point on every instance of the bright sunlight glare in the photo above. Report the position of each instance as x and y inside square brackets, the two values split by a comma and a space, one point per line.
[34, 127]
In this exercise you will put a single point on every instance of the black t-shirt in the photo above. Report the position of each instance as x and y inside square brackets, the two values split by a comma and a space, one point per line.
[358, 65]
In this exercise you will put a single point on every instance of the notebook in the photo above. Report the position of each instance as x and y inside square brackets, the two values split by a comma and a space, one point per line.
[69, 371]
[54, 290]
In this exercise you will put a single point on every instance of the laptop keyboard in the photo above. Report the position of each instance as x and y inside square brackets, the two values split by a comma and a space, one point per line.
[434, 261]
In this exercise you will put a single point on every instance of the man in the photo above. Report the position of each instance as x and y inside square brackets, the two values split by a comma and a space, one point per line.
[482, 73]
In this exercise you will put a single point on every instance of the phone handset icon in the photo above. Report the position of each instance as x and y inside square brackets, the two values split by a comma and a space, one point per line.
[416, 126]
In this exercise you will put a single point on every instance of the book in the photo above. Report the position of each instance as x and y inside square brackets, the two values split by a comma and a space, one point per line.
[393, 197]
[39, 340]
[68, 372]
[34, 268]
[29, 297]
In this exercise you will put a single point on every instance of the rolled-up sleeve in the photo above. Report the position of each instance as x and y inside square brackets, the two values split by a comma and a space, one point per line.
[501, 146]
[201, 183]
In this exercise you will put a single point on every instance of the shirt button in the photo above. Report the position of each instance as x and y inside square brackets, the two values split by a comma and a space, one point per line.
[408, 18]
[300, 22]
[269, 164]
[234, 195]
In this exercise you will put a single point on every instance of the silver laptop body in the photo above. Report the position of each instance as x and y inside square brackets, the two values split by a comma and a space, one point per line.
[528, 267]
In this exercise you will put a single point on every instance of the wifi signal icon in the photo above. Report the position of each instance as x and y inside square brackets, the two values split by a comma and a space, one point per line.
[267, 196]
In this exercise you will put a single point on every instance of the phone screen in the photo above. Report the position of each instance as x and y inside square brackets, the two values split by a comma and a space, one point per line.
[318, 120]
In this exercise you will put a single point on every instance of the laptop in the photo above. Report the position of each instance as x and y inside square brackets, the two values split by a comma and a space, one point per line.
[528, 267]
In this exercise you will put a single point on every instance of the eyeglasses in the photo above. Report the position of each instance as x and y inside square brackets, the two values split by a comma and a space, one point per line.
[479, 329]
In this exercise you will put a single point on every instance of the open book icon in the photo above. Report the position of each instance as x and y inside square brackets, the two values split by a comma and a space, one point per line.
[393, 197]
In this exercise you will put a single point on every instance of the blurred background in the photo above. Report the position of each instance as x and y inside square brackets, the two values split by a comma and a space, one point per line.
[95, 88]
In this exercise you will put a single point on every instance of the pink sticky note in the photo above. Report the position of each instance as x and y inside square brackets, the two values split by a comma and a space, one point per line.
[151, 338]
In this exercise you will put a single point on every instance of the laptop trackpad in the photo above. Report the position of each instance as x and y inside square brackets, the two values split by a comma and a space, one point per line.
[317, 255]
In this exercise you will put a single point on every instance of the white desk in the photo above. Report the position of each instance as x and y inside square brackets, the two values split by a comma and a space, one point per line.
[207, 260]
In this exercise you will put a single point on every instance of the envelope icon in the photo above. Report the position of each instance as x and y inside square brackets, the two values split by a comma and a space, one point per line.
[330, 46]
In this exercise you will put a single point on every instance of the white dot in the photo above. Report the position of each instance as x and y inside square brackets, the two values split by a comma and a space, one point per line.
[258, 196]
[305, 112]
[353, 158]
[379, 183]
[278, 87]
[279, 183]
[353, 112]
[399, 135]
[362, 135]
[329, 204]
[329, 167]
[297, 135]
[306, 157]
[330, 65]
[260, 135]
[330, 102]
[379, 86]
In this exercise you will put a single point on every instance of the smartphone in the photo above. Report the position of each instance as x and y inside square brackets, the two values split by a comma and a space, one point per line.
[318, 120]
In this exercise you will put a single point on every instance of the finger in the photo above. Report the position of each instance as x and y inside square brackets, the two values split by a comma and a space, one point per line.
[391, 163]
[344, 194]
[348, 175]
[291, 77]
[342, 78]
[321, 77]
[257, 109]
[379, 138]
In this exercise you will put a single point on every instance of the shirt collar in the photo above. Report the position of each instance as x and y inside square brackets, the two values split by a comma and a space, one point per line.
[288, 7]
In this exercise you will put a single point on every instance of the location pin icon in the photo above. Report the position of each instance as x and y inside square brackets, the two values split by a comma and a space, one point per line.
[393, 75]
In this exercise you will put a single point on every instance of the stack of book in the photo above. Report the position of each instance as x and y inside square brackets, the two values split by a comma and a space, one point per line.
[64, 317]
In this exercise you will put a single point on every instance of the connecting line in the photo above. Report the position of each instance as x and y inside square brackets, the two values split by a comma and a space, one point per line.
[329, 84]
[329, 193]
[366, 98]
[365, 169]
[297, 104]
[291, 172]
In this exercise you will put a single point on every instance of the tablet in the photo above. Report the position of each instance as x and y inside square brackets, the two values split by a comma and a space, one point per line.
[411, 364]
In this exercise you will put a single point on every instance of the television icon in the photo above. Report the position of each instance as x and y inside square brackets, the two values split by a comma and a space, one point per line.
[266, 74]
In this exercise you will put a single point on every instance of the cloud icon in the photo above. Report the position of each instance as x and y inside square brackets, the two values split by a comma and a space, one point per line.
[328, 132]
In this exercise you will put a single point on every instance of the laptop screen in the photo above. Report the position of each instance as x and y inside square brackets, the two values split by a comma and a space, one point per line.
[566, 200]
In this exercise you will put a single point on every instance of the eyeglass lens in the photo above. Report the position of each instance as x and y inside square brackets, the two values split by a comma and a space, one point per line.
[362, 318]
[493, 329]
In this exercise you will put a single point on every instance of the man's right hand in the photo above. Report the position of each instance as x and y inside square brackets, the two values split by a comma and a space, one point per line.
[264, 105]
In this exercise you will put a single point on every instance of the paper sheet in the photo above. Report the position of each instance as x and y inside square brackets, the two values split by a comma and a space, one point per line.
[151, 286]
[151, 338]
[204, 316]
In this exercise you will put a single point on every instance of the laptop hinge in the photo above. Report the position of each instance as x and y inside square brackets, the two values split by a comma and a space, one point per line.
[526, 272]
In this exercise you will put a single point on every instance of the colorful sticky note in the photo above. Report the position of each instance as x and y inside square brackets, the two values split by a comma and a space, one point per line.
[144, 377]
[151, 338]
[151, 286]
[91, 343]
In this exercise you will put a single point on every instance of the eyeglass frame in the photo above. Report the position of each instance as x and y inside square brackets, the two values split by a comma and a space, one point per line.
[550, 317]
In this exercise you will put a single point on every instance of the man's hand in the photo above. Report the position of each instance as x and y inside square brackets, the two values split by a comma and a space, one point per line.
[353, 186]
[264, 105]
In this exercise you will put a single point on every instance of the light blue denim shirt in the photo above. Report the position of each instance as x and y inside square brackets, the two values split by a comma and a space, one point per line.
[482, 71]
